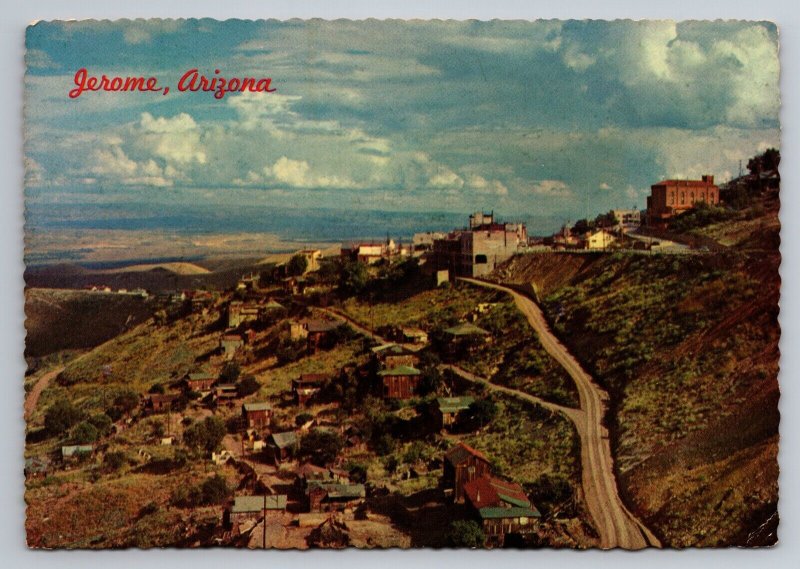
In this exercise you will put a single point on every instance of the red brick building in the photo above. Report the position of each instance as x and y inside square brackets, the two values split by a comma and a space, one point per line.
[463, 464]
[305, 387]
[671, 197]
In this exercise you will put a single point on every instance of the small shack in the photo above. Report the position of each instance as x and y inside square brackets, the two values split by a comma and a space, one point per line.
[400, 382]
[256, 415]
[463, 464]
[448, 409]
[305, 387]
[283, 446]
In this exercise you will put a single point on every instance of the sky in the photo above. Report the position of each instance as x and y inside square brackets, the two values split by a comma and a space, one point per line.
[548, 118]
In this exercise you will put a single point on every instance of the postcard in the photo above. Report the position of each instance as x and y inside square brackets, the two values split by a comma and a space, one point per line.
[401, 284]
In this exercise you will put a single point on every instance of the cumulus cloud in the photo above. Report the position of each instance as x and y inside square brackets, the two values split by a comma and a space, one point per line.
[551, 188]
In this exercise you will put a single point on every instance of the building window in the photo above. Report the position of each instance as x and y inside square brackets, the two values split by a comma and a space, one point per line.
[683, 198]
[481, 259]
[691, 197]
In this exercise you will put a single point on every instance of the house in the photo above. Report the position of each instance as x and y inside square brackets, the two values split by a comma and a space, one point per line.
[223, 457]
[464, 339]
[256, 415]
[394, 355]
[463, 464]
[37, 467]
[334, 497]
[599, 240]
[200, 381]
[400, 382]
[627, 219]
[252, 507]
[225, 391]
[159, 402]
[283, 445]
[294, 285]
[305, 387]
[240, 312]
[74, 453]
[669, 198]
[476, 251]
[448, 409]
[313, 258]
[501, 507]
[319, 333]
[423, 242]
[249, 281]
[230, 343]
[415, 336]
[201, 301]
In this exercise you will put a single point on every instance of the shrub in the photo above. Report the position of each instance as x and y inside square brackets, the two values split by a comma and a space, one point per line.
[114, 460]
[126, 401]
[61, 416]
[303, 418]
[205, 435]
[84, 433]
[102, 422]
[320, 447]
[466, 533]
[230, 373]
[248, 386]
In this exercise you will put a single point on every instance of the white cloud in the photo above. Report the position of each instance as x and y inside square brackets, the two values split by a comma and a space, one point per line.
[551, 188]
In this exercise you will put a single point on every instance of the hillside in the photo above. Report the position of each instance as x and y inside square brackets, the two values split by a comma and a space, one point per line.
[59, 319]
[688, 349]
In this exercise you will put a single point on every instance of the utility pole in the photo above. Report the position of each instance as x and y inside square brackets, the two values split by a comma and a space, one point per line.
[265, 520]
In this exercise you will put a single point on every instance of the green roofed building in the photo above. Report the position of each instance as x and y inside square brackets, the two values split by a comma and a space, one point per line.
[450, 407]
[400, 382]
[466, 329]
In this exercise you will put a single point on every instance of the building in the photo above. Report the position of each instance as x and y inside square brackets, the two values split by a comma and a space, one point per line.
[400, 382]
[240, 312]
[226, 391]
[423, 242]
[230, 344]
[319, 333]
[159, 402]
[415, 336]
[476, 251]
[394, 355]
[448, 409]
[37, 467]
[463, 464]
[313, 258]
[252, 507]
[334, 497]
[669, 198]
[282, 446]
[256, 415]
[627, 219]
[463, 339]
[305, 387]
[501, 507]
[599, 240]
[200, 381]
[74, 453]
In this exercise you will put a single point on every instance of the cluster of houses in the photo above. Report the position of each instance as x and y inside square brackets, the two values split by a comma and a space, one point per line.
[500, 506]
[370, 253]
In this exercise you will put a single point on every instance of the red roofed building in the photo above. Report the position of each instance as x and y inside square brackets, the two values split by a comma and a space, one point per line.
[502, 507]
[463, 464]
[671, 197]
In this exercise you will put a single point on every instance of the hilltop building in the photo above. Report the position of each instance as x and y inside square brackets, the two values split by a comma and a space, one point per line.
[627, 219]
[672, 197]
[477, 250]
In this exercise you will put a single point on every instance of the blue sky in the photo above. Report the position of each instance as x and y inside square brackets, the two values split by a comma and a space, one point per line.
[547, 118]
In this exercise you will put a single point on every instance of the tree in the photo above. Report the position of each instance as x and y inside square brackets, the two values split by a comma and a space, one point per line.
[320, 447]
[479, 414]
[303, 418]
[126, 401]
[114, 460]
[156, 388]
[466, 533]
[248, 386]
[358, 472]
[230, 373]
[205, 435]
[297, 265]
[353, 277]
[214, 490]
[102, 423]
[84, 433]
[61, 416]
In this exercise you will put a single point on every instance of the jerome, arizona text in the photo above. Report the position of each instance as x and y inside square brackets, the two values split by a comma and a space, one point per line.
[192, 81]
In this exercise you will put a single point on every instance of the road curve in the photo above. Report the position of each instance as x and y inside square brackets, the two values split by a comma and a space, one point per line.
[32, 399]
[617, 526]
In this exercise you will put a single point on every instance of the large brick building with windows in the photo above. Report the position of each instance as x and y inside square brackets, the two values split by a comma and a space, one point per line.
[671, 197]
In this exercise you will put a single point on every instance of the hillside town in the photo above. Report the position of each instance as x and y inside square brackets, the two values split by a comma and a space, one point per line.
[318, 425]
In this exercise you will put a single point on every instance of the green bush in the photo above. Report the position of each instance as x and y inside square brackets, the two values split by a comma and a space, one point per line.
[466, 533]
[61, 416]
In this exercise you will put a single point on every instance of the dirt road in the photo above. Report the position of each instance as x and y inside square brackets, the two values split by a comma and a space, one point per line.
[32, 399]
[617, 526]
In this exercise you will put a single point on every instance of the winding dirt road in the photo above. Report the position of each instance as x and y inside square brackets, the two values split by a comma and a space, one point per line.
[617, 526]
[32, 399]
